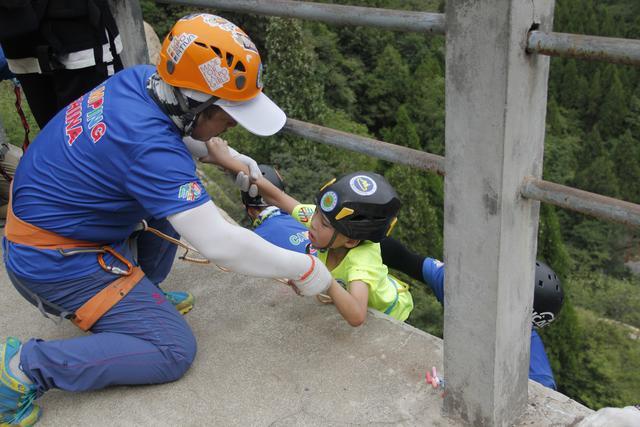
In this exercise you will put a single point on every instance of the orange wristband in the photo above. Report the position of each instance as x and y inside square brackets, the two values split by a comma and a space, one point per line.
[308, 273]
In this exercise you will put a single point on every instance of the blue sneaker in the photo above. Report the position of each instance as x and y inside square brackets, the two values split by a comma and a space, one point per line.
[16, 398]
[182, 301]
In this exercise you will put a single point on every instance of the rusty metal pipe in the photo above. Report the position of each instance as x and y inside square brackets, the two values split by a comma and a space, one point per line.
[388, 19]
[592, 204]
[372, 147]
[593, 48]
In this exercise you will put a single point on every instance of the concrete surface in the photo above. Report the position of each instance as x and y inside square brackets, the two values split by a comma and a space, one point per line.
[270, 358]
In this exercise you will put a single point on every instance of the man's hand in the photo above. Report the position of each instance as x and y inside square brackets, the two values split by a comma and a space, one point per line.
[315, 281]
[245, 183]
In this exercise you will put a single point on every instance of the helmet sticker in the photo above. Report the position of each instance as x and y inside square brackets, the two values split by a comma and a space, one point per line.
[220, 22]
[363, 185]
[214, 74]
[329, 201]
[179, 45]
[238, 35]
[243, 40]
[259, 82]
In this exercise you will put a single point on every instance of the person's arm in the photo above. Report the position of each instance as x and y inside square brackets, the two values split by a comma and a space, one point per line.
[243, 251]
[433, 273]
[427, 270]
[352, 304]
[219, 155]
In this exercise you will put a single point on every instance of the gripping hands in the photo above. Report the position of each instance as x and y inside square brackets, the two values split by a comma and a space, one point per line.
[315, 281]
[247, 184]
[216, 151]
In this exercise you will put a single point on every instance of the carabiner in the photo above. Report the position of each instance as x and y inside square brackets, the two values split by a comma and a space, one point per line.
[111, 268]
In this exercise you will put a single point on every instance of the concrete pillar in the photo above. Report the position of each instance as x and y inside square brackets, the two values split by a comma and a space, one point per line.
[495, 122]
[128, 16]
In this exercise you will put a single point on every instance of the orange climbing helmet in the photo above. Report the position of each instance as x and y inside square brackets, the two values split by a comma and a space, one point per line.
[206, 55]
[209, 54]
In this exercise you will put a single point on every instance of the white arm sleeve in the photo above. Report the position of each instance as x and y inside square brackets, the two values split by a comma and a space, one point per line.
[234, 247]
[196, 148]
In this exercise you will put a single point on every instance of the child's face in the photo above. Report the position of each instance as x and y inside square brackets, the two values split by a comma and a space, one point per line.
[321, 231]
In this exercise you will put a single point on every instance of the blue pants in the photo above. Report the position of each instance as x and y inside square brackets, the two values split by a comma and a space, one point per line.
[143, 339]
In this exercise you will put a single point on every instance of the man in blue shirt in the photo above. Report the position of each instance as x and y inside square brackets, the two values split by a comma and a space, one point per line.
[114, 160]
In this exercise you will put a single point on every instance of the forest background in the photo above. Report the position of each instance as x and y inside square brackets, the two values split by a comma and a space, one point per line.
[390, 86]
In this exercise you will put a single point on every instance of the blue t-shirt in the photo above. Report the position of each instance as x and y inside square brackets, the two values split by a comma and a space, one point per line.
[539, 367]
[100, 166]
[282, 230]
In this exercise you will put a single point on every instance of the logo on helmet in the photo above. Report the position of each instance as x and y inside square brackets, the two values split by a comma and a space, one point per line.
[543, 319]
[363, 185]
[329, 201]
[214, 73]
[179, 45]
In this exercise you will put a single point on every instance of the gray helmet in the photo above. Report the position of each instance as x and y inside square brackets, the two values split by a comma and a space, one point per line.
[548, 296]
[271, 175]
[360, 205]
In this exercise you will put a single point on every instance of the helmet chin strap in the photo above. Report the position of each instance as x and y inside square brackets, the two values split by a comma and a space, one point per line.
[190, 116]
[328, 245]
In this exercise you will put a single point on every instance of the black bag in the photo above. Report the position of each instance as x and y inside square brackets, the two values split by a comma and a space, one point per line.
[53, 27]
[19, 17]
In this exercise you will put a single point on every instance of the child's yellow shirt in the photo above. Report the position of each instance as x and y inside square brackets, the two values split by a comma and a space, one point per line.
[364, 263]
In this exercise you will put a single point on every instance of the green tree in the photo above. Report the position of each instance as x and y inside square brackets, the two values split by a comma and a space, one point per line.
[289, 75]
[385, 89]
[626, 161]
[614, 108]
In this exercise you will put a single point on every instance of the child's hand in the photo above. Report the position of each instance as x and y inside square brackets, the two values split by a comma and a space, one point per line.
[218, 152]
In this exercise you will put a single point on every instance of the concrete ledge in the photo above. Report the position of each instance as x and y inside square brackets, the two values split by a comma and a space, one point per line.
[268, 357]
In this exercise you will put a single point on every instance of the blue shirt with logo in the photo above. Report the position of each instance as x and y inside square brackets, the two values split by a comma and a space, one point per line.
[100, 166]
[539, 367]
[282, 230]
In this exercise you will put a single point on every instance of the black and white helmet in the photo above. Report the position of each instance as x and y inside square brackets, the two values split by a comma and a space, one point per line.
[548, 296]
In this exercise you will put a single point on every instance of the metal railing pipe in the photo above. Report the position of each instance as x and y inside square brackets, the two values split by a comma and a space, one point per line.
[372, 147]
[592, 204]
[593, 48]
[399, 20]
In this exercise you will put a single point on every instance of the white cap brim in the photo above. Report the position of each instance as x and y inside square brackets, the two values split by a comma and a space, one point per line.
[260, 115]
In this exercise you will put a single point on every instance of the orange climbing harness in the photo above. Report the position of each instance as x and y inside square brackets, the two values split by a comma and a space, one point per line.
[21, 232]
